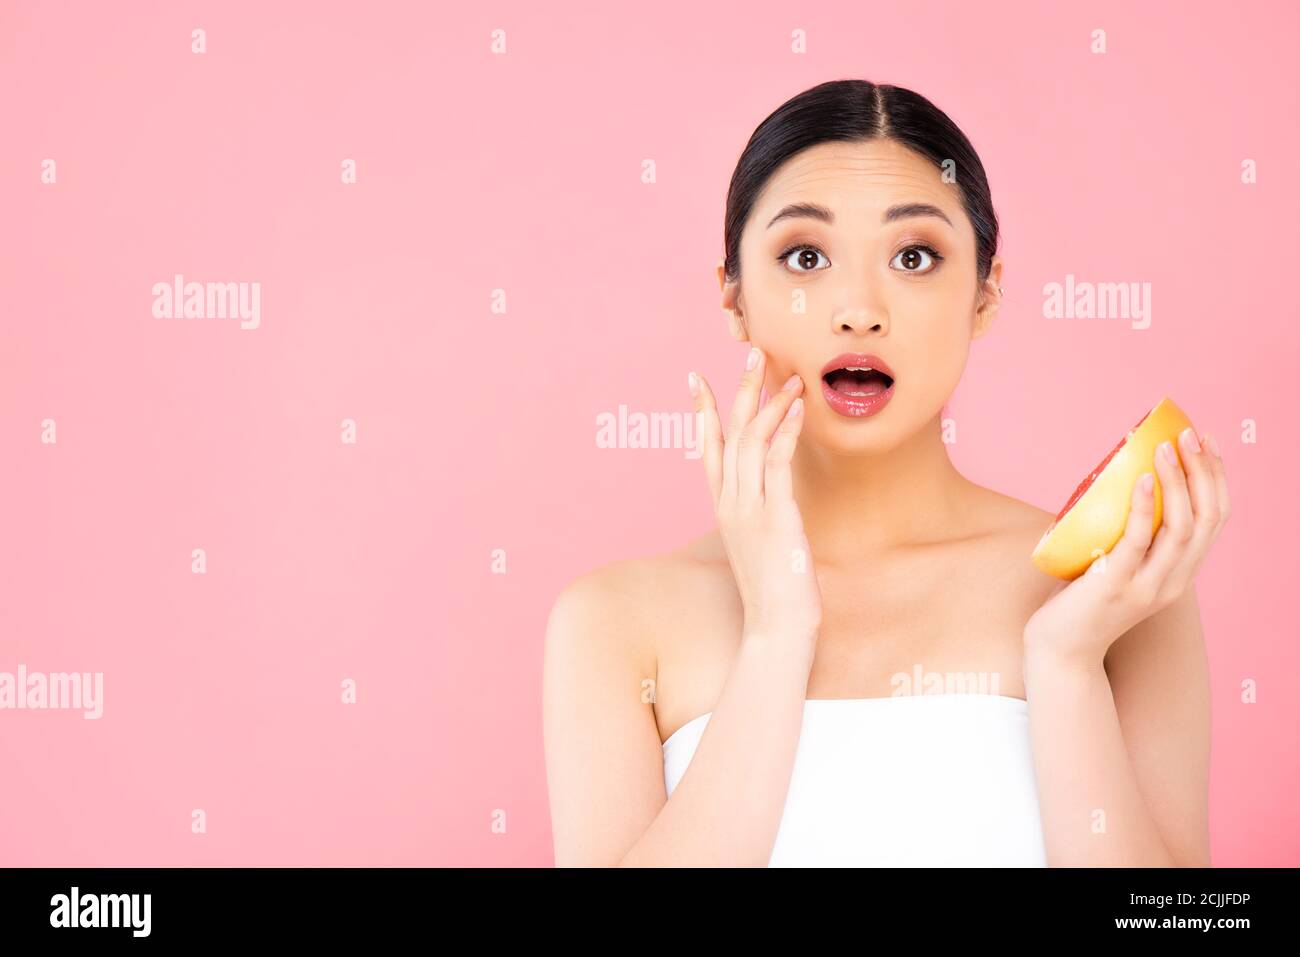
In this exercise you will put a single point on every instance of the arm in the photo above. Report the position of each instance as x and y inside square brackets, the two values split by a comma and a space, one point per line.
[1121, 749]
[604, 759]
[1117, 681]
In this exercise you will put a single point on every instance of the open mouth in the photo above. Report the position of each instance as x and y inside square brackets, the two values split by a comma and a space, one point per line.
[858, 381]
[857, 384]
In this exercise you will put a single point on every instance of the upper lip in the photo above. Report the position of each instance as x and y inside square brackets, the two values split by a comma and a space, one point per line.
[857, 360]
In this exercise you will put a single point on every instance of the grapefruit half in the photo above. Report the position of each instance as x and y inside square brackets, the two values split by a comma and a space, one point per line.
[1093, 520]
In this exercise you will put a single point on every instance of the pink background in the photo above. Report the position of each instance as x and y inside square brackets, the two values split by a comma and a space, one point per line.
[476, 430]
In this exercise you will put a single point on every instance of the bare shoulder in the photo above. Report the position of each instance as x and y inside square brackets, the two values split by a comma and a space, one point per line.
[1010, 528]
[1003, 520]
[632, 602]
[1011, 514]
[604, 760]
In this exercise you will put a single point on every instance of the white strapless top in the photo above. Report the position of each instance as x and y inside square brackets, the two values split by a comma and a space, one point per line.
[925, 780]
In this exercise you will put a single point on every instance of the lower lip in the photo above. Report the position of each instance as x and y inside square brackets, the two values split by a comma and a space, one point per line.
[856, 406]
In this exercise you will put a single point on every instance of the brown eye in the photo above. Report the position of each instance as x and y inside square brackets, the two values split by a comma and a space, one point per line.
[805, 258]
[917, 259]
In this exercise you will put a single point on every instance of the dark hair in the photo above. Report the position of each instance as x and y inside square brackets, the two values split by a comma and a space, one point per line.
[857, 110]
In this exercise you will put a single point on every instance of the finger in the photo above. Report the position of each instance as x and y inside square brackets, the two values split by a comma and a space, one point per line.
[1204, 496]
[1220, 473]
[708, 430]
[777, 484]
[743, 407]
[1126, 556]
[1175, 524]
[752, 445]
[1200, 480]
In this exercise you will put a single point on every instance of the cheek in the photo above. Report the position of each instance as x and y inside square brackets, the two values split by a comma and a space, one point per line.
[938, 341]
[777, 311]
[944, 304]
[936, 313]
[784, 337]
[766, 293]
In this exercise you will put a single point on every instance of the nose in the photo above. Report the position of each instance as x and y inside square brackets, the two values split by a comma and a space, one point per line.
[861, 320]
[862, 310]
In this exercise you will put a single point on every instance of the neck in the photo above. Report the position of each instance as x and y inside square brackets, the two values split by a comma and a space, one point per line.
[874, 501]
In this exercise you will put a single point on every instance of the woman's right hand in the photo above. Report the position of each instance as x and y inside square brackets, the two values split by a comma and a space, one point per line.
[749, 474]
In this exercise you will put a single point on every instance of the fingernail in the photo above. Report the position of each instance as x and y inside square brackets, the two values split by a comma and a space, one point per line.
[1148, 483]
[752, 361]
[796, 407]
[1167, 450]
[1189, 440]
[694, 382]
[790, 383]
[1212, 444]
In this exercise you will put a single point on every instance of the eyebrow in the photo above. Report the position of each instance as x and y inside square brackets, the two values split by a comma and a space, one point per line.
[898, 211]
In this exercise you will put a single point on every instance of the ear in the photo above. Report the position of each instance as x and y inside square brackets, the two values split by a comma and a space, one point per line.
[732, 305]
[989, 300]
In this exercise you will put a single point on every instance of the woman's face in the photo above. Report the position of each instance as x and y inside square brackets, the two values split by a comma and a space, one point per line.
[871, 276]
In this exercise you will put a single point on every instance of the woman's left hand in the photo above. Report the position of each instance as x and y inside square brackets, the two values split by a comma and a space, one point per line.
[1139, 577]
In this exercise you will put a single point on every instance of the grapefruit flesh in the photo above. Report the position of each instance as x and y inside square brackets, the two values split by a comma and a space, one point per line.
[1093, 520]
[1092, 477]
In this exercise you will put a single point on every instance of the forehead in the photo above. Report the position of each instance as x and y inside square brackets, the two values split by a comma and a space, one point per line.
[856, 177]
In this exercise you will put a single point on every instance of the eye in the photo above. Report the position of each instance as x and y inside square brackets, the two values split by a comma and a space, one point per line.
[805, 256]
[914, 259]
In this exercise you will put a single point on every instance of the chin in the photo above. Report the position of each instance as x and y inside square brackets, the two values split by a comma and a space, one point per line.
[844, 436]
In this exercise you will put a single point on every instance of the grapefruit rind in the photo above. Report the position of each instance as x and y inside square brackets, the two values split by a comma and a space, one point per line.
[1096, 521]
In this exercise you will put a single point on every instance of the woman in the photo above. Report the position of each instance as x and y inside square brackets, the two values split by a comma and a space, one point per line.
[736, 702]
